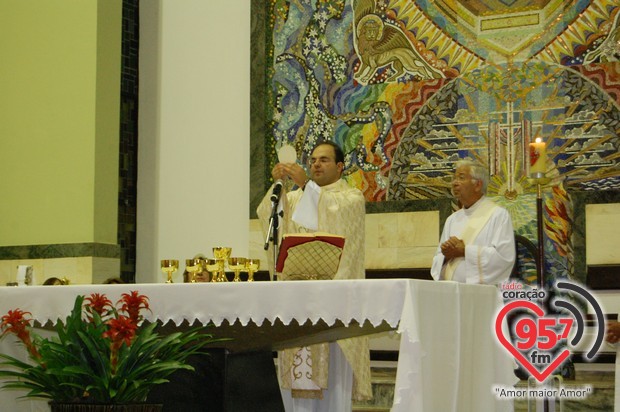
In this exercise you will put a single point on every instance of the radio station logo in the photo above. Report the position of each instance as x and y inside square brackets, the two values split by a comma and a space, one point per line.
[540, 332]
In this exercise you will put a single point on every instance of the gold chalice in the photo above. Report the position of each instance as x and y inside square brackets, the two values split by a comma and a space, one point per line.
[252, 266]
[237, 264]
[215, 268]
[222, 253]
[169, 266]
[193, 266]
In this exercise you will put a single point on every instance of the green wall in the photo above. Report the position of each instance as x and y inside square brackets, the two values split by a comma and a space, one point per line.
[59, 121]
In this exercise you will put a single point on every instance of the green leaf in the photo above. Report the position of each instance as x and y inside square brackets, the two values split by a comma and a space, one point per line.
[77, 359]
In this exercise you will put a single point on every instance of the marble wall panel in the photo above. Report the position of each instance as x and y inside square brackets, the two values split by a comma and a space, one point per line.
[602, 233]
[393, 240]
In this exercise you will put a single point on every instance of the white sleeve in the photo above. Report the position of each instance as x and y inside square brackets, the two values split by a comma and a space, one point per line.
[439, 259]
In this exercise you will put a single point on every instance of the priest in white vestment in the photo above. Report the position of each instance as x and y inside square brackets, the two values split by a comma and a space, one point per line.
[477, 243]
[477, 246]
[324, 202]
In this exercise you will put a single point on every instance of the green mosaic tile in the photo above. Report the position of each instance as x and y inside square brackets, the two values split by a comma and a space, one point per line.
[64, 250]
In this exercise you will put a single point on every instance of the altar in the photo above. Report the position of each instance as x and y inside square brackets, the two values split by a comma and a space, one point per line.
[449, 357]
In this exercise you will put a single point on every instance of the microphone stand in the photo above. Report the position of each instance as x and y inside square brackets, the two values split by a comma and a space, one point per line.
[272, 234]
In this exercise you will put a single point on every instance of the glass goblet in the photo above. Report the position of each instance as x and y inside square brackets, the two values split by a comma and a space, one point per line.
[237, 264]
[252, 266]
[169, 266]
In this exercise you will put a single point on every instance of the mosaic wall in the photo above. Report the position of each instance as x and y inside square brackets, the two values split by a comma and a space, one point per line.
[408, 87]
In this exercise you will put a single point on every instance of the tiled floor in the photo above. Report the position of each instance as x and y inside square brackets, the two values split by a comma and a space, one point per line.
[599, 376]
[601, 379]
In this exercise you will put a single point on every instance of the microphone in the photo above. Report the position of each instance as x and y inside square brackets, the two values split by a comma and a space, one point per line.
[277, 191]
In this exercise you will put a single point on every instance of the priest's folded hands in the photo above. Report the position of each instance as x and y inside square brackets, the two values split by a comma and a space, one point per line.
[453, 248]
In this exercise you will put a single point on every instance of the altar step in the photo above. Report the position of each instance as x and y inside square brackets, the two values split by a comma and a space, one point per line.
[383, 379]
[599, 376]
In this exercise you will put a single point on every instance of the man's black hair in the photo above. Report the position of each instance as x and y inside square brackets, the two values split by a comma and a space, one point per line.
[337, 150]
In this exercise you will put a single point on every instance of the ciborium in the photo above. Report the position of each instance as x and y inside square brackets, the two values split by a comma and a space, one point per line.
[169, 266]
[237, 264]
[222, 252]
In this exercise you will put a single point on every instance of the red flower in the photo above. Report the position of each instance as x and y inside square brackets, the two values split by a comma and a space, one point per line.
[16, 322]
[121, 329]
[133, 303]
[99, 303]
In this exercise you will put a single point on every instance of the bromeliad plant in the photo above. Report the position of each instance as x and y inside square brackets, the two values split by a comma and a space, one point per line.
[101, 354]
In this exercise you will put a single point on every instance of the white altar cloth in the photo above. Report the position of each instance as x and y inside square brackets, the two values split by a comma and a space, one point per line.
[449, 358]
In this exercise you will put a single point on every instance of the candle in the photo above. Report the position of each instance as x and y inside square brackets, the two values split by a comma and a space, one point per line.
[538, 158]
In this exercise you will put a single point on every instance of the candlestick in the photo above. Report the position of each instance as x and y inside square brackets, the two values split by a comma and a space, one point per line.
[538, 158]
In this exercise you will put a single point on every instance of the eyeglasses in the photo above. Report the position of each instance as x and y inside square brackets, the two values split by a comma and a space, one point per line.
[321, 160]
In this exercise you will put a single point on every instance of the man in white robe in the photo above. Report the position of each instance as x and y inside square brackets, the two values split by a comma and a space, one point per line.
[324, 203]
[477, 242]
[477, 246]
